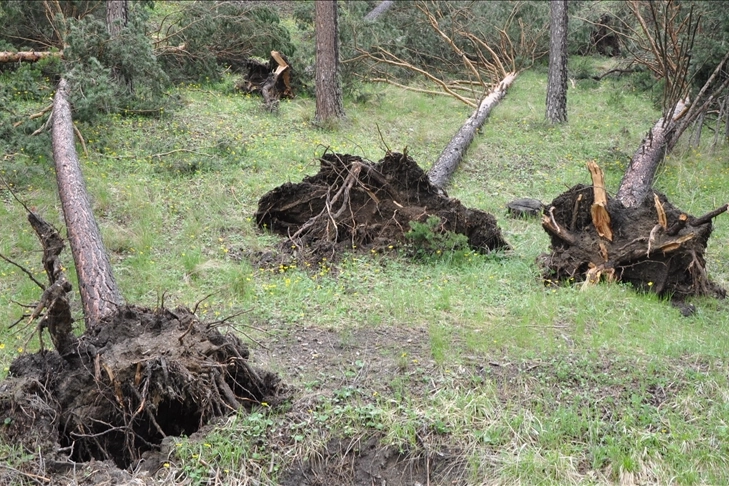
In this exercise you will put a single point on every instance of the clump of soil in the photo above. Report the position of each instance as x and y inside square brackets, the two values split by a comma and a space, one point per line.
[353, 204]
[140, 376]
[655, 246]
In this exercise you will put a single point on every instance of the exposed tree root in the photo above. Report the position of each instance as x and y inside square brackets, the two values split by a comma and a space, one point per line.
[352, 204]
[140, 375]
[652, 245]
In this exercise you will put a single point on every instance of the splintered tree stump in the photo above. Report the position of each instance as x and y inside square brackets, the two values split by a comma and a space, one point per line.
[652, 245]
[353, 204]
[272, 79]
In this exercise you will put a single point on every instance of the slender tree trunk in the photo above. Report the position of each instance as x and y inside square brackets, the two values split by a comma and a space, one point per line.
[99, 292]
[698, 126]
[380, 9]
[452, 155]
[117, 16]
[328, 89]
[557, 78]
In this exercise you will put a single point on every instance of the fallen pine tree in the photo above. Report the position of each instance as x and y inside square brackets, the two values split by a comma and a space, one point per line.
[639, 236]
[353, 204]
[135, 376]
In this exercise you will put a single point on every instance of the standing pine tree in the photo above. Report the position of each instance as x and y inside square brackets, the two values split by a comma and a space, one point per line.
[117, 16]
[557, 78]
[328, 88]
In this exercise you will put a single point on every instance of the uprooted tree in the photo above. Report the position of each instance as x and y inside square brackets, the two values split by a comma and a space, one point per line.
[639, 236]
[136, 375]
[489, 71]
[355, 205]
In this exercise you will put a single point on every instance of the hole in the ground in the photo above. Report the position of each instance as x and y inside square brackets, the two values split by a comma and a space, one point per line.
[115, 441]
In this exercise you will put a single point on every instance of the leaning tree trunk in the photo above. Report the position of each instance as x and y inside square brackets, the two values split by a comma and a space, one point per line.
[328, 89]
[380, 9]
[448, 161]
[100, 295]
[637, 181]
[136, 376]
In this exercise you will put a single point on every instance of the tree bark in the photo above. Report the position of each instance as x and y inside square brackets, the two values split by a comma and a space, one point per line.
[380, 9]
[637, 181]
[328, 89]
[452, 155]
[99, 292]
[117, 16]
[557, 77]
[27, 56]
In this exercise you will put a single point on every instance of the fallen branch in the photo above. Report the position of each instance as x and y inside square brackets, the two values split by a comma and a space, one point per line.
[27, 56]
[34, 115]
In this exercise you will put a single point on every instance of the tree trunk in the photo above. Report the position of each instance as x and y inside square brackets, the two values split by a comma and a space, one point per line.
[638, 178]
[328, 89]
[100, 295]
[698, 126]
[452, 155]
[117, 16]
[380, 9]
[27, 56]
[557, 78]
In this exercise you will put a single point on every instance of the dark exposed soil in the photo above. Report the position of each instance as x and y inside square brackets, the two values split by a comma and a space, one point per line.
[352, 204]
[144, 375]
[666, 260]
[368, 360]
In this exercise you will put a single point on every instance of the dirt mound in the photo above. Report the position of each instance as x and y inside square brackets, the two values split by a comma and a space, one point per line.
[142, 376]
[654, 245]
[352, 204]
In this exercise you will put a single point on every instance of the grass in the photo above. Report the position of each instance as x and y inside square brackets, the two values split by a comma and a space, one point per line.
[530, 384]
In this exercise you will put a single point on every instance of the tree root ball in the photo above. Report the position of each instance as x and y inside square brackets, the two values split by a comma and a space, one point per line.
[655, 246]
[353, 204]
[144, 375]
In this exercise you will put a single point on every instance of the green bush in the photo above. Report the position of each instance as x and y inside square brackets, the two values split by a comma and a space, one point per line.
[430, 241]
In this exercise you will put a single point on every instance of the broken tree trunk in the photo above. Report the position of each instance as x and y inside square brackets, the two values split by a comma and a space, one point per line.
[27, 56]
[100, 294]
[447, 163]
[272, 79]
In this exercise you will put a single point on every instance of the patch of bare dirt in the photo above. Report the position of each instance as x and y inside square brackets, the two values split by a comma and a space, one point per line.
[373, 361]
[355, 205]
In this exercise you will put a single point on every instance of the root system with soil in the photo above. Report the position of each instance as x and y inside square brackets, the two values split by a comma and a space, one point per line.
[353, 204]
[652, 245]
[133, 379]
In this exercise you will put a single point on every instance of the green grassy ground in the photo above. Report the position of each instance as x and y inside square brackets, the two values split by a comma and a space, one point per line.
[588, 386]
